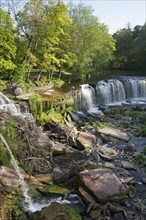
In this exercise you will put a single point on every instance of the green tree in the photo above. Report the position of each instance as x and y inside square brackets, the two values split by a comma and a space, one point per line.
[131, 48]
[7, 45]
[89, 37]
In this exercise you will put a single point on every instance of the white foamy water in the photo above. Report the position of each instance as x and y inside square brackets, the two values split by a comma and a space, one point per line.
[88, 99]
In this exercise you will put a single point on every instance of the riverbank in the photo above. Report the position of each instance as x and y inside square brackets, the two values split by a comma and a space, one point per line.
[83, 154]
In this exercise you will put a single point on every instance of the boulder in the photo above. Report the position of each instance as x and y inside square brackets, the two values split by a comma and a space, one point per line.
[102, 184]
[18, 91]
[55, 211]
[127, 165]
[9, 180]
[44, 178]
[23, 97]
[86, 140]
[116, 133]
[60, 149]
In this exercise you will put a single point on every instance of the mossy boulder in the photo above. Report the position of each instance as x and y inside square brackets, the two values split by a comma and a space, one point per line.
[56, 211]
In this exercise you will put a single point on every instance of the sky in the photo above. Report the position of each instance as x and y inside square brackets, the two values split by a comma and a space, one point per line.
[118, 13]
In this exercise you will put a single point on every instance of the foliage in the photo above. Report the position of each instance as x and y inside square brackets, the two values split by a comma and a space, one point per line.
[96, 45]
[7, 46]
[130, 48]
[73, 214]
[35, 105]
[3, 85]
[51, 117]
[57, 189]
[47, 38]
[58, 83]
[140, 160]
[5, 158]
[96, 124]
[125, 124]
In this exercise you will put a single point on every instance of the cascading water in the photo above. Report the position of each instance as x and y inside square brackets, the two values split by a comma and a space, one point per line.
[135, 88]
[124, 90]
[110, 92]
[23, 184]
[88, 99]
[8, 106]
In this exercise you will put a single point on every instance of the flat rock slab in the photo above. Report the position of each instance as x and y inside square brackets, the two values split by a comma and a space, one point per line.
[8, 178]
[86, 140]
[102, 183]
[115, 132]
[23, 97]
[127, 165]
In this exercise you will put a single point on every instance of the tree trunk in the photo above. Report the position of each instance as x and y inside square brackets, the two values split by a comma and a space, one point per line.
[39, 76]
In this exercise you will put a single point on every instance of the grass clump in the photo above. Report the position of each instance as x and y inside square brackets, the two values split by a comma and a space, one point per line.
[5, 157]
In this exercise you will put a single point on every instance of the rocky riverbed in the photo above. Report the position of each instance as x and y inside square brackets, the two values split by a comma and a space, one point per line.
[101, 159]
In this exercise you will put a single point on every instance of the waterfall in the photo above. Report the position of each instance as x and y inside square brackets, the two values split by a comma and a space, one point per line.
[23, 184]
[8, 106]
[110, 92]
[88, 99]
[29, 204]
[14, 109]
[135, 88]
[113, 92]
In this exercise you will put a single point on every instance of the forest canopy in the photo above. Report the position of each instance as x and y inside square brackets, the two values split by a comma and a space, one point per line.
[54, 39]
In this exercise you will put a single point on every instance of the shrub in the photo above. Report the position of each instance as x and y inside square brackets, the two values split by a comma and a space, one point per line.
[3, 85]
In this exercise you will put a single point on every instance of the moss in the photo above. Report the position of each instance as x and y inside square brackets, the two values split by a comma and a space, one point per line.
[72, 213]
[3, 85]
[5, 158]
[140, 160]
[144, 150]
[57, 189]
[132, 190]
[96, 124]
[141, 130]
[125, 124]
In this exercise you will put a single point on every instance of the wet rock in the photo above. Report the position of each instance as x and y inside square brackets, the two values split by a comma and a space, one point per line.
[127, 180]
[144, 180]
[70, 133]
[127, 165]
[95, 214]
[66, 166]
[116, 133]
[86, 140]
[108, 153]
[54, 211]
[18, 91]
[103, 184]
[60, 149]
[59, 176]
[44, 178]
[95, 155]
[127, 118]
[87, 198]
[23, 97]
[75, 117]
[118, 216]
[8, 179]
[130, 149]
[109, 165]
